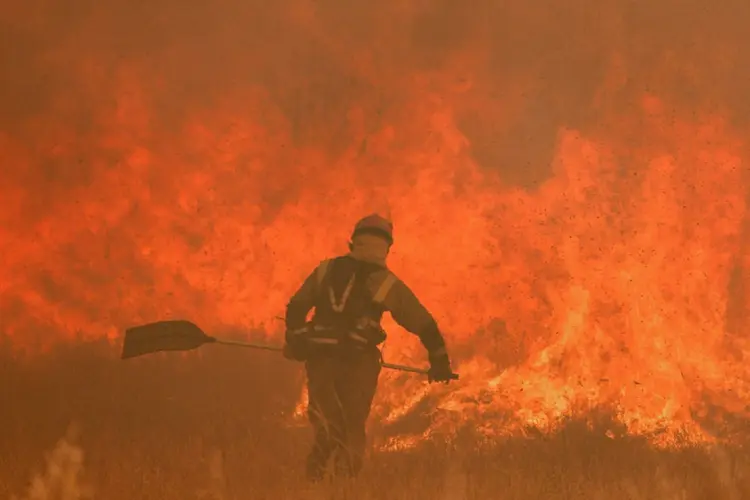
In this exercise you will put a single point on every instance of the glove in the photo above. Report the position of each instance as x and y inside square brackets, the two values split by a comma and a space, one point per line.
[295, 351]
[440, 369]
[295, 346]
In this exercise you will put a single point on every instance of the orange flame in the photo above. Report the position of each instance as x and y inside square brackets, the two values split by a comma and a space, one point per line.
[128, 198]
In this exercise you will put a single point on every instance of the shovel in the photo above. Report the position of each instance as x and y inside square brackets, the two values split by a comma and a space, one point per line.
[183, 335]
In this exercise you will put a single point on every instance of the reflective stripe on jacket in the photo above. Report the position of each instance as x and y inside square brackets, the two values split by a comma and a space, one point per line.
[385, 288]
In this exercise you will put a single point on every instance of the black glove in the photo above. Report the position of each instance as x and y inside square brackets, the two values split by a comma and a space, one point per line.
[440, 369]
[295, 350]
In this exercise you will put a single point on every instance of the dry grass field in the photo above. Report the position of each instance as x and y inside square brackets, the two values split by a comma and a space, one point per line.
[79, 423]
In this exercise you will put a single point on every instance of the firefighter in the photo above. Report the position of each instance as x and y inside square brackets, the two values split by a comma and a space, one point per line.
[349, 295]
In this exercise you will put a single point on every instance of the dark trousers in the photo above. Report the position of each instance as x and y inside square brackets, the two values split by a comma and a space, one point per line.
[340, 390]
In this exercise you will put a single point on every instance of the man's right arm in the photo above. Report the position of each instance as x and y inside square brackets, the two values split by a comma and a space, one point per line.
[410, 314]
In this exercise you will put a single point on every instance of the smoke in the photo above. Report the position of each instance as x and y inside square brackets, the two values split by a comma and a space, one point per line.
[517, 71]
[62, 478]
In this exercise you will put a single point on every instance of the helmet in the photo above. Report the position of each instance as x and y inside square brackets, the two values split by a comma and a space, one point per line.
[376, 225]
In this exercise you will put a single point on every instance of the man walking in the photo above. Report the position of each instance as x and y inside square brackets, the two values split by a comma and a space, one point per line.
[350, 293]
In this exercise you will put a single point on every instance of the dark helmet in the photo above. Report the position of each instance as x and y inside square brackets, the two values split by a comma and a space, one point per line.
[375, 225]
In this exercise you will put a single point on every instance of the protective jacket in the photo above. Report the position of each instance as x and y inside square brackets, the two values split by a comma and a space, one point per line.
[350, 294]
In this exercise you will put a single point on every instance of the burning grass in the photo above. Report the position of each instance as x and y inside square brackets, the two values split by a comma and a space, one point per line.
[580, 173]
[217, 424]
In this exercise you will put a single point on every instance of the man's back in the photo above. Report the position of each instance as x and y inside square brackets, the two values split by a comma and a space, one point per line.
[383, 287]
[349, 294]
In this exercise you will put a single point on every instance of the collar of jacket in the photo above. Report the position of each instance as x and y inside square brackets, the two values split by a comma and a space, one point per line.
[369, 248]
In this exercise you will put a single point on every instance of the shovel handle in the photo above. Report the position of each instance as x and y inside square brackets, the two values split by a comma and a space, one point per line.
[266, 347]
[411, 369]
[251, 345]
[404, 368]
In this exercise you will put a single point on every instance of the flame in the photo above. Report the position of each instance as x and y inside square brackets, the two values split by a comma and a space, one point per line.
[131, 197]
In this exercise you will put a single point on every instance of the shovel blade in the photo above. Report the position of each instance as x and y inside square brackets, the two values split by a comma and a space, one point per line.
[173, 335]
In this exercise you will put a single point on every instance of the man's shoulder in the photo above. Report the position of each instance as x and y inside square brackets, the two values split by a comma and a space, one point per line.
[324, 266]
[376, 271]
[348, 259]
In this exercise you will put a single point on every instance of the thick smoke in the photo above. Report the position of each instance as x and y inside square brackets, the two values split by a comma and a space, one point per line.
[530, 67]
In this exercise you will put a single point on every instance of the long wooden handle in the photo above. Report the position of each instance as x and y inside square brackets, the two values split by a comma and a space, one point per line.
[266, 347]
[251, 345]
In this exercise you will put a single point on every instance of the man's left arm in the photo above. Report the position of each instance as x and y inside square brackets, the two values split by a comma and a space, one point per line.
[295, 318]
[300, 304]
